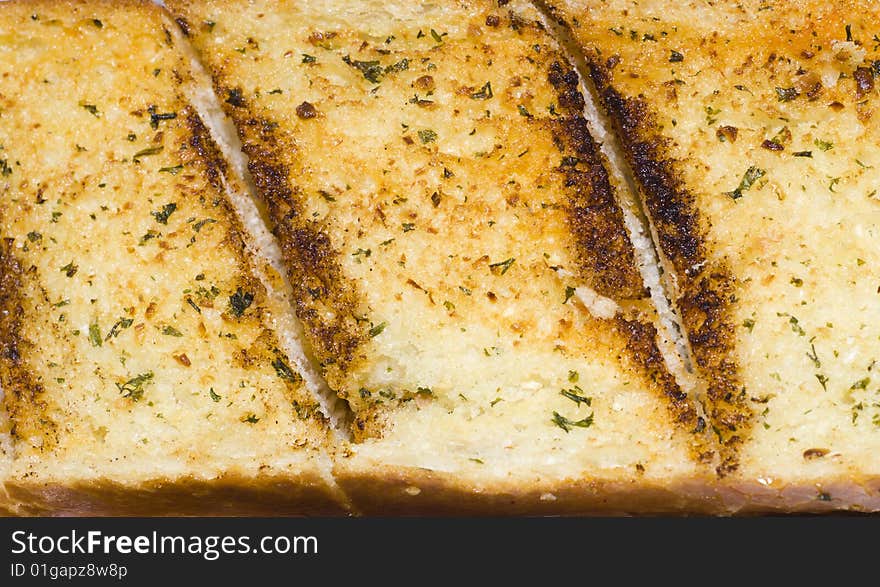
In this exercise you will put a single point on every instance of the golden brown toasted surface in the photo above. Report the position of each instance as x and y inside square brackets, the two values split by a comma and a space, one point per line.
[461, 263]
[136, 342]
[752, 130]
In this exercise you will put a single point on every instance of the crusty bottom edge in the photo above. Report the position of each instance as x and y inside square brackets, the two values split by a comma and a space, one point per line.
[409, 491]
[230, 495]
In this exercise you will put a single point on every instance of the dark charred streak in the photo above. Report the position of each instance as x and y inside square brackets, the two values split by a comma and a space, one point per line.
[672, 207]
[705, 288]
[24, 397]
[235, 97]
[318, 284]
[184, 26]
[642, 349]
[864, 81]
[200, 140]
[565, 81]
[606, 256]
[319, 287]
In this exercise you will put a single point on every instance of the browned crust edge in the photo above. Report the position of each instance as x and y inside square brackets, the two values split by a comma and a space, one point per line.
[387, 490]
[216, 170]
[319, 286]
[705, 287]
[605, 253]
[231, 494]
[643, 354]
[607, 256]
[23, 395]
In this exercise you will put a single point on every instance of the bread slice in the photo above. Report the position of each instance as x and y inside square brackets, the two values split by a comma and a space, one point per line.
[458, 256]
[142, 370]
[752, 130]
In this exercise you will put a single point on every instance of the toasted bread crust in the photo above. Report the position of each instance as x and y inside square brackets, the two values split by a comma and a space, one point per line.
[399, 491]
[606, 255]
[290, 494]
[704, 287]
[23, 400]
[186, 404]
[312, 262]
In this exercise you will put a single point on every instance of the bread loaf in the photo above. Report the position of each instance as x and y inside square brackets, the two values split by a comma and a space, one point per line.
[750, 129]
[290, 258]
[141, 366]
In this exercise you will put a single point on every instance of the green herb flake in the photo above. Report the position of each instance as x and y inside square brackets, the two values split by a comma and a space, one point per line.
[283, 370]
[250, 419]
[567, 424]
[70, 269]
[751, 175]
[523, 111]
[501, 267]
[171, 331]
[134, 388]
[437, 36]
[711, 114]
[675, 57]
[213, 395]
[162, 215]
[749, 323]
[569, 293]
[786, 94]
[861, 383]
[823, 145]
[120, 325]
[485, 92]
[797, 281]
[427, 136]
[814, 357]
[377, 329]
[401, 65]
[240, 301]
[795, 327]
[576, 394]
[95, 334]
[172, 170]
[157, 117]
[147, 153]
[306, 58]
[201, 224]
[150, 235]
[371, 70]
[823, 380]
[91, 109]
[803, 154]
[573, 376]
